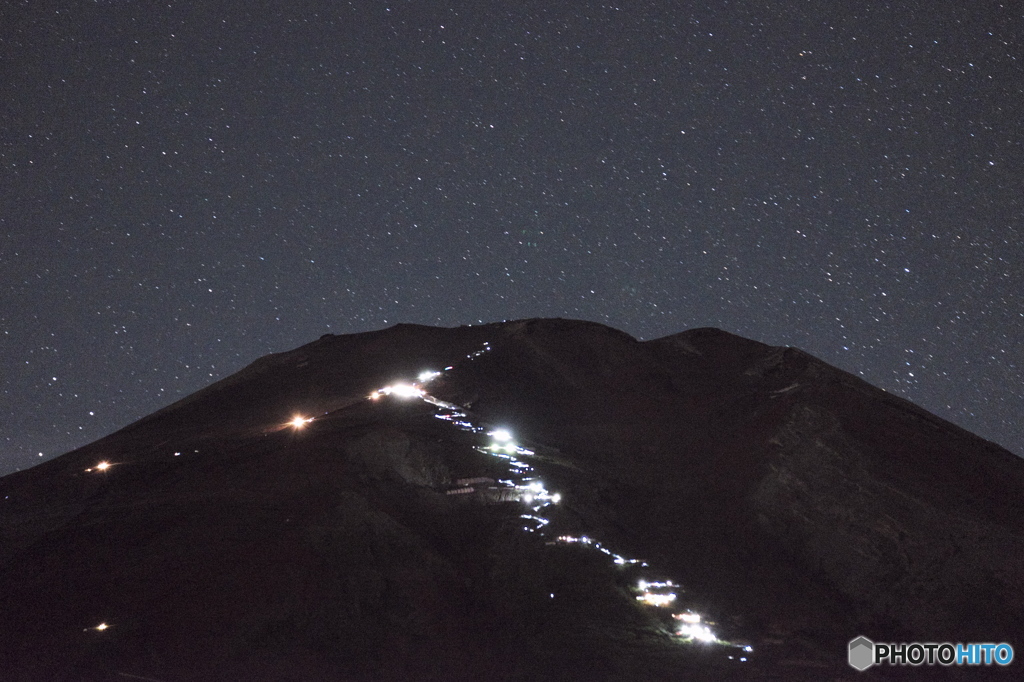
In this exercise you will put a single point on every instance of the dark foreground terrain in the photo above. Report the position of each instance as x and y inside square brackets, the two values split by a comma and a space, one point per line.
[404, 536]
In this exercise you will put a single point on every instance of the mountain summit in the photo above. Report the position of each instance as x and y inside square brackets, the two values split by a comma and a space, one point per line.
[542, 499]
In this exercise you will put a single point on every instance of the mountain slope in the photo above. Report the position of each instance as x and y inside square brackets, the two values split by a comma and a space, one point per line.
[792, 505]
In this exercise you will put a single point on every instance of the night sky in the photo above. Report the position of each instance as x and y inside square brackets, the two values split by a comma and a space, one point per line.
[186, 186]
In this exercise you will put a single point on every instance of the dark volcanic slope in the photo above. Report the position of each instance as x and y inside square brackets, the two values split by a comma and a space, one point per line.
[797, 505]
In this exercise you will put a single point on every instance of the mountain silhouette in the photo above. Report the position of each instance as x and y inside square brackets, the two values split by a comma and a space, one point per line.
[538, 499]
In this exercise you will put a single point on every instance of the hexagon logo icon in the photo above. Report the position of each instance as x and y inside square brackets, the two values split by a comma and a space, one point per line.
[862, 653]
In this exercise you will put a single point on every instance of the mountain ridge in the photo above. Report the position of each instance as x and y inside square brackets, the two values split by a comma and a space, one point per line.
[798, 506]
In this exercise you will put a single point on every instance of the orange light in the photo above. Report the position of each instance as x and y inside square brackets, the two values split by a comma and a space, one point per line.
[299, 422]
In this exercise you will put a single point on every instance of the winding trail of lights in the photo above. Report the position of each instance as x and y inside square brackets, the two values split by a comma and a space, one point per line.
[531, 491]
[519, 485]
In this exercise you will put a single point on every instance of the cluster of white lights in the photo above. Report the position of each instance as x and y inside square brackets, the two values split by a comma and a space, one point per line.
[509, 449]
[697, 631]
[692, 627]
[503, 446]
[100, 466]
[478, 353]
[459, 420]
[657, 593]
[662, 594]
[539, 522]
[399, 391]
[427, 376]
[534, 493]
[502, 442]
[645, 585]
[590, 542]
[655, 599]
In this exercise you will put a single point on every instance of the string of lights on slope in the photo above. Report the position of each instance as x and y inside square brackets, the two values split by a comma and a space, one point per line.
[521, 485]
[532, 492]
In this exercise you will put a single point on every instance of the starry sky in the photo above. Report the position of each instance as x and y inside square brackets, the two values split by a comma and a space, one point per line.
[186, 186]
